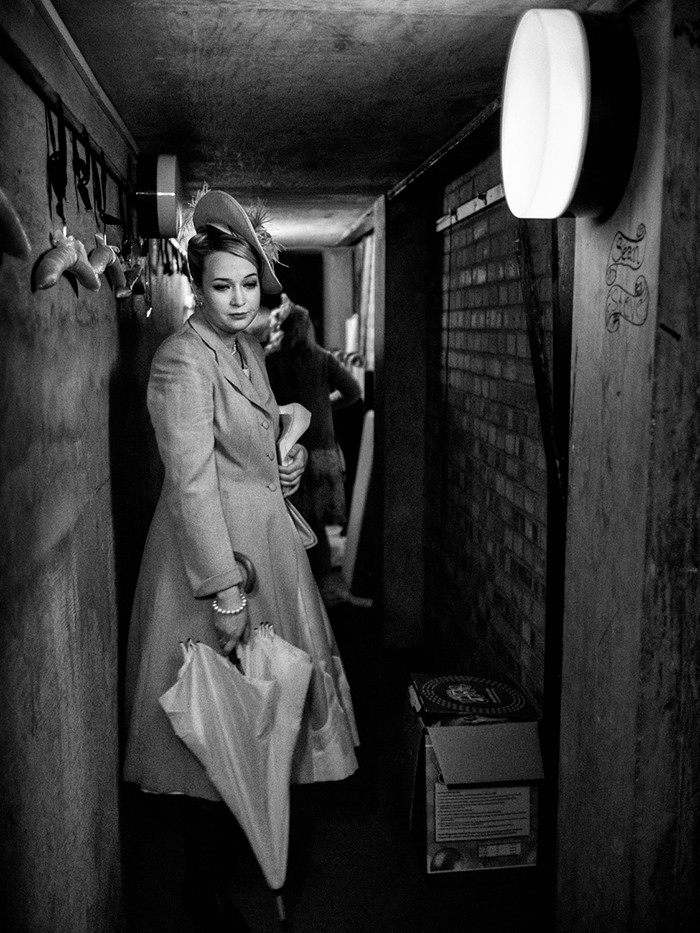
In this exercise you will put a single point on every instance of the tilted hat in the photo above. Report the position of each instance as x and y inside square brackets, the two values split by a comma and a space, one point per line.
[220, 210]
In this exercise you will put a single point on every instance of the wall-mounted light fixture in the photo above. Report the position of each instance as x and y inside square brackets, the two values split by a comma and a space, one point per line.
[158, 196]
[570, 114]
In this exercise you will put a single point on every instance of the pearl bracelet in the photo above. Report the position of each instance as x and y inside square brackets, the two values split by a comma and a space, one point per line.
[230, 612]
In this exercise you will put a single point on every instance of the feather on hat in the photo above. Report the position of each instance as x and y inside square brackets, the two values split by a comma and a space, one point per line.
[218, 209]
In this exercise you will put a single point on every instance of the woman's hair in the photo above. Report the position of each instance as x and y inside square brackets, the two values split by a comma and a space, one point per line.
[298, 330]
[213, 240]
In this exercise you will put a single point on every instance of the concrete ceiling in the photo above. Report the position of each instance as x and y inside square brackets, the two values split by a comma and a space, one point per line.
[317, 106]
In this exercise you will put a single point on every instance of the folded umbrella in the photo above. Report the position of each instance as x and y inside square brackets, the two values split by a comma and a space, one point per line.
[242, 725]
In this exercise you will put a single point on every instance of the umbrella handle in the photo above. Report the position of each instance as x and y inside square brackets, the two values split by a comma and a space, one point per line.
[249, 569]
[281, 909]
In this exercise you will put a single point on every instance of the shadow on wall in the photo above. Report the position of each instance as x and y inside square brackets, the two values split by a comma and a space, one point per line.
[136, 470]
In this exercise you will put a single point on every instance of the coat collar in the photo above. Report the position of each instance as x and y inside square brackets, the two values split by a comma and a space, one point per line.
[257, 388]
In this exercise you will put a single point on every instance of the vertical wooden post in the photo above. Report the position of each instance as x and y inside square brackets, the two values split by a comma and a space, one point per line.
[401, 347]
[629, 725]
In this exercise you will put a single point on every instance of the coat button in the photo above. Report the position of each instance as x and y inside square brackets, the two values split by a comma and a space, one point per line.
[270, 456]
[264, 424]
[272, 487]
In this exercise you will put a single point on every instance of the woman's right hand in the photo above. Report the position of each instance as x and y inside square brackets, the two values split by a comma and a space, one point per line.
[292, 470]
[231, 629]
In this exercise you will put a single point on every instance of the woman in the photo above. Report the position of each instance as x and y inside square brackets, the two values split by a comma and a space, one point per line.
[302, 371]
[216, 422]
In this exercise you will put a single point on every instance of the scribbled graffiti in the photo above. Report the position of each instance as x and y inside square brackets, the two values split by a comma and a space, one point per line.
[632, 306]
[628, 295]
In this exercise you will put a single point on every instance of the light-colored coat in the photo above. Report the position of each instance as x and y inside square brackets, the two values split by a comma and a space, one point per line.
[216, 431]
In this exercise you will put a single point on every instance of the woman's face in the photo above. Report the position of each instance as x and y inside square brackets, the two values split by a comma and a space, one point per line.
[230, 293]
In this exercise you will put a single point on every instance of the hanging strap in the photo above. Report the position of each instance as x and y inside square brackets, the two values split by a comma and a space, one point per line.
[102, 181]
[122, 214]
[106, 218]
[99, 191]
[165, 250]
[49, 148]
[126, 228]
[96, 188]
[127, 205]
[56, 160]
[81, 169]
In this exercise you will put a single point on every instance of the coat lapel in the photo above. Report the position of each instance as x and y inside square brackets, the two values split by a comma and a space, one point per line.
[256, 389]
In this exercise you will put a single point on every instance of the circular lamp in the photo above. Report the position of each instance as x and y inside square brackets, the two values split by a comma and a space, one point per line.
[158, 196]
[570, 114]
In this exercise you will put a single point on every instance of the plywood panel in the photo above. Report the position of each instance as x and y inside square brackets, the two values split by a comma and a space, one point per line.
[667, 817]
[614, 321]
[73, 366]
[58, 657]
[628, 816]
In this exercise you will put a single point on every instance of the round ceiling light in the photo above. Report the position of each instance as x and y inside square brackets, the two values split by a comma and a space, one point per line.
[568, 134]
[158, 196]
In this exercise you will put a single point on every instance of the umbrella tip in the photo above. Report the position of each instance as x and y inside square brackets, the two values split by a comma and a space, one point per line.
[281, 910]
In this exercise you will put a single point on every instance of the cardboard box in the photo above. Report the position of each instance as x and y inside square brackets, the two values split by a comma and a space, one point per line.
[475, 777]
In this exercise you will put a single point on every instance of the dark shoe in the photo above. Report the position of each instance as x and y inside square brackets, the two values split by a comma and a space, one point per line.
[207, 903]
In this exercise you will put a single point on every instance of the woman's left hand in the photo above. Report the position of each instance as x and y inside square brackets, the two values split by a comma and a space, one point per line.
[292, 470]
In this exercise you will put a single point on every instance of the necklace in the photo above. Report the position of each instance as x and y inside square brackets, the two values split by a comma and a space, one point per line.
[239, 359]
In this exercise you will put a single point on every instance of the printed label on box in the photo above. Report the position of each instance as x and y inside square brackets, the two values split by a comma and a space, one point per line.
[481, 813]
[500, 850]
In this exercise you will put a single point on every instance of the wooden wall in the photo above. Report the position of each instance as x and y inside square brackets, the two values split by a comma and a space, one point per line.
[628, 815]
[412, 272]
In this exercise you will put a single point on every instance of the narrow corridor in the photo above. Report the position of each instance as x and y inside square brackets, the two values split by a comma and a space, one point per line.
[352, 865]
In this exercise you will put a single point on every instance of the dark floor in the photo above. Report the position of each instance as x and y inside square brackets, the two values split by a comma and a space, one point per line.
[353, 867]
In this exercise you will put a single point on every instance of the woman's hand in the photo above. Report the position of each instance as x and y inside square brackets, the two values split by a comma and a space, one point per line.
[292, 470]
[231, 628]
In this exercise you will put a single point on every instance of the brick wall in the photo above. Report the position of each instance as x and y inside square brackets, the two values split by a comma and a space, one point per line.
[487, 501]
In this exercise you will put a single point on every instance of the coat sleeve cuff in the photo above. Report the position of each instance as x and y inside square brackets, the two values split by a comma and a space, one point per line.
[221, 581]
